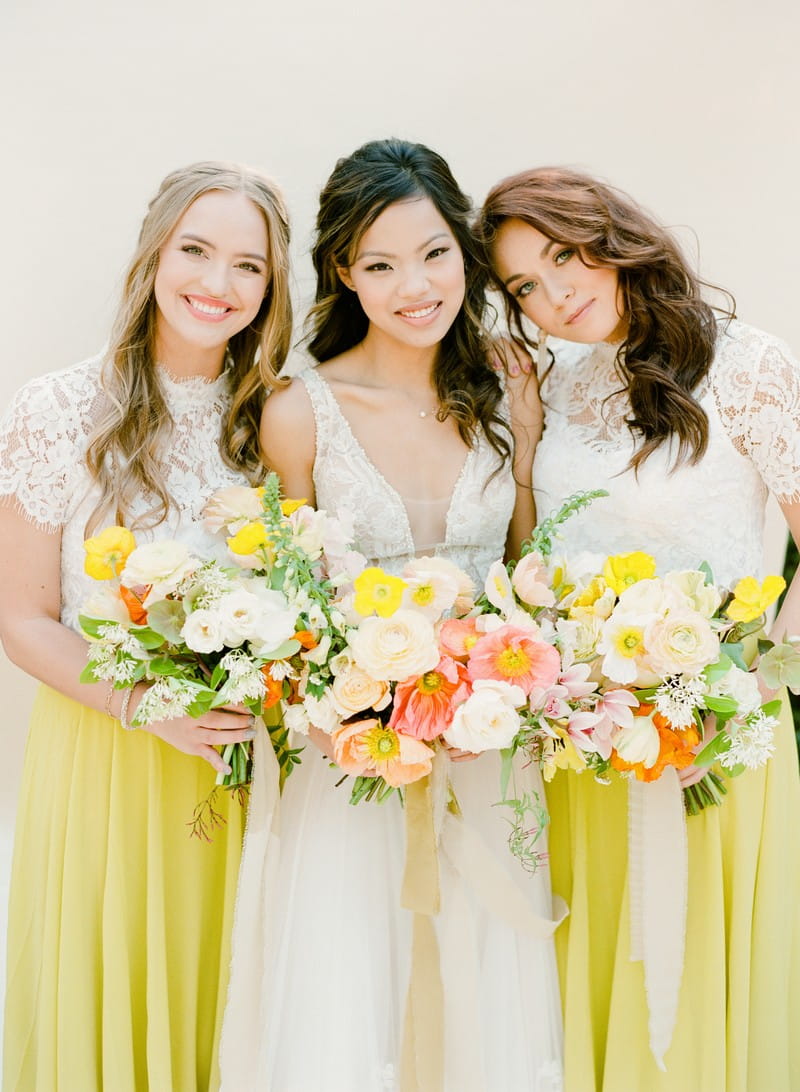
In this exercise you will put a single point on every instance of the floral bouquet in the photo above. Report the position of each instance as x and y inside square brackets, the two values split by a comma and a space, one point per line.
[208, 634]
[645, 661]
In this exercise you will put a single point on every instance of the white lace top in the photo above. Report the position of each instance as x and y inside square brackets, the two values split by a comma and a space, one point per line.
[474, 520]
[43, 440]
[712, 511]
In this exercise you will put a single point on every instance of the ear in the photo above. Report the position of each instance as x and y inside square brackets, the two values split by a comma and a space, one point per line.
[343, 273]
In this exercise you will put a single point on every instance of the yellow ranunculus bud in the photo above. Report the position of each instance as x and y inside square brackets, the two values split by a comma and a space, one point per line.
[249, 539]
[622, 570]
[289, 506]
[751, 599]
[107, 552]
[378, 591]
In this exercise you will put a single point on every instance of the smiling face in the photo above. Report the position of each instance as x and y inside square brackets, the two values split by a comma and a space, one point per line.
[554, 288]
[211, 279]
[408, 273]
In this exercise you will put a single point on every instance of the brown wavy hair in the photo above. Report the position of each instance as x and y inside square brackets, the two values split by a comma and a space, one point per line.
[361, 187]
[130, 442]
[671, 331]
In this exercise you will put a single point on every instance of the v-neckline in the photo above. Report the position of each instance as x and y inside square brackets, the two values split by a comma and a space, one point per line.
[382, 478]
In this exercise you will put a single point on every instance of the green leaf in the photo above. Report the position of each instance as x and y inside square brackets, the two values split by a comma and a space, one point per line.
[735, 651]
[714, 672]
[88, 675]
[92, 626]
[721, 705]
[284, 651]
[506, 759]
[147, 638]
[163, 666]
[713, 749]
[705, 569]
[772, 708]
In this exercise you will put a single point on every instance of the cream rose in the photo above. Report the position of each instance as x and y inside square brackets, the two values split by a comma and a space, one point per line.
[680, 643]
[161, 564]
[393, 649]
[488, 719]
[295, 719]
[202, 631]
[742, 687]
[354, 691]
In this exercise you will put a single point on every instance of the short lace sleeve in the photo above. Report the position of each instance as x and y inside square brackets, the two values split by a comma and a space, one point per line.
[43, 437]
[757, 390]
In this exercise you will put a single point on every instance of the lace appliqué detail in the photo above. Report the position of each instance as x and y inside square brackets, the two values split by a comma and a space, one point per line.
[43, 441]
[344, 478]
[711, 511]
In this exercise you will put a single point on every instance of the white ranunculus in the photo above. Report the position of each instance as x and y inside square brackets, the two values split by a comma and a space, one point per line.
[531, 581]
[322, 712]
[701, 597]
[680, 643]
[742, 687]
[295, 718]
[354, 691]
[395, 648]
[649, 597]
[580, 635]
[488, 719]
[161, 564]
[638, 743]
[203, 632]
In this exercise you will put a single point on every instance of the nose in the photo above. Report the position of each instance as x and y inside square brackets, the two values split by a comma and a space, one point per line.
[559, 290]
[215, 278]
[414, 282]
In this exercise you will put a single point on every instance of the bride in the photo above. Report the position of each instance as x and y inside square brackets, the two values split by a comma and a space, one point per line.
[404, 425]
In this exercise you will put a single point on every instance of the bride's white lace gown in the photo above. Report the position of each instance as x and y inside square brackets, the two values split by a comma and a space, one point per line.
[739, 1003]
[334, 982]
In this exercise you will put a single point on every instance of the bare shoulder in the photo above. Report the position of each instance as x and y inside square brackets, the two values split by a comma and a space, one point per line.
[287, 428]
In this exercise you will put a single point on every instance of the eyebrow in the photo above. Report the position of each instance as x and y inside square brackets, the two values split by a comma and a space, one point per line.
[384, 254]
[542, 255]
[205, 242]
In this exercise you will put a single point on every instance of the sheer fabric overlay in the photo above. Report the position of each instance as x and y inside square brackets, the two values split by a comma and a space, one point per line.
[320, 1002]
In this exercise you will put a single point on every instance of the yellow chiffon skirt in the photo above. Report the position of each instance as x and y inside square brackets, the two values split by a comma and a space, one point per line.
[738, 1027]
[119, 921]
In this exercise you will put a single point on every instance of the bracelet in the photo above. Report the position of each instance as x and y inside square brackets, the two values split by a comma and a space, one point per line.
[109, 696]
[123, 711]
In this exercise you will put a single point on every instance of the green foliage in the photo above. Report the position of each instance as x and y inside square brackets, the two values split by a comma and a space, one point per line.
[792, 561]
[541, 541]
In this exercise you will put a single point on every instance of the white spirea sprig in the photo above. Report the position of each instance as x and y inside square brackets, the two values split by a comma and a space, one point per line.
[678, 697]
[245, 681]
[754, 743]
[167, 699]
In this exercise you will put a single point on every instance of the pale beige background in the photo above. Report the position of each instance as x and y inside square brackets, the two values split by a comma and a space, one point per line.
[692, 105]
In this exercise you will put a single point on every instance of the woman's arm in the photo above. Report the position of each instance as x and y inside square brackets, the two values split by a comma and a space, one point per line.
[35, 640]
[526, 424]
[787, 621]
[288, 440]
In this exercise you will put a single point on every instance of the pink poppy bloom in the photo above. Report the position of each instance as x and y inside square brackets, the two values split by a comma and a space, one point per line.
[423, 707]
[372, 748]
[457, 636]
[510, 654]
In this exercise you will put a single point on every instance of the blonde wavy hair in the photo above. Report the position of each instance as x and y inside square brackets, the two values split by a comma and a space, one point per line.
[126, 451]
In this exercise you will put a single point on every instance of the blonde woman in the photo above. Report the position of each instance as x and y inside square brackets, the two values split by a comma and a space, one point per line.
[119, 922]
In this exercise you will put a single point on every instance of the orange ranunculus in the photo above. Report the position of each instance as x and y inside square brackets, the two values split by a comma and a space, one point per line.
[306, 638]
[274, 688]
[134, 598]
[677, 748]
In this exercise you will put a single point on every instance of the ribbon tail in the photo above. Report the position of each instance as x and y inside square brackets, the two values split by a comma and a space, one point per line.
[658, 881]
[247, 1003]
[422, 1067]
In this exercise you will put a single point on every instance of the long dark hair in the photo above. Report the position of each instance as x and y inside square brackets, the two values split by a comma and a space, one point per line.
[361, 187]
[671, 331]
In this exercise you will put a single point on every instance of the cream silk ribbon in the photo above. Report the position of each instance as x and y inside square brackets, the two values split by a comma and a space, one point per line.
[241, 1052]
[658, 866]
[434, 832]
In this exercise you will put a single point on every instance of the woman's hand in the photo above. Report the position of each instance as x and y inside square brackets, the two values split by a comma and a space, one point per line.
[457, 755]
[690, 775]
[199, 736]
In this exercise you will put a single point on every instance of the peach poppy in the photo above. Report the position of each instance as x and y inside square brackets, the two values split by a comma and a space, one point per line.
[423, 707]
[274, 688]
[457, 636]
[364, 746]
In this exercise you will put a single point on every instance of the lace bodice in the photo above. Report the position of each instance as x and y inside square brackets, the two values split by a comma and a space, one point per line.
[474, 519]
[43, 440]
[712, 511]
